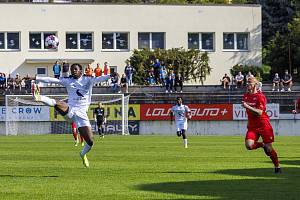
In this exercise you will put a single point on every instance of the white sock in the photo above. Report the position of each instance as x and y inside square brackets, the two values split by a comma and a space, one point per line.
[85, 149]
[48, 101]
[185, 143]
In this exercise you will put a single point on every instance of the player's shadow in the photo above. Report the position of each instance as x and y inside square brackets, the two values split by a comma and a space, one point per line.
[290, 162]
[243, 184]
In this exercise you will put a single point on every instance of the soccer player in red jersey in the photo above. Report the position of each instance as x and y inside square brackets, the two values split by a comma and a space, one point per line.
[259, 122]
[297, 107]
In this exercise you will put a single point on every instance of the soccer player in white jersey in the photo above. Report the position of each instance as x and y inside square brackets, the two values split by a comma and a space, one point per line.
[79, 89]
[182, 113]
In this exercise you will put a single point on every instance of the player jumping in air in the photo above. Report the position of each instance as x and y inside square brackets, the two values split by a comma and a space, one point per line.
[79, 89]
[76, 135]
[100, 119]
[259, 123]
[182, 114]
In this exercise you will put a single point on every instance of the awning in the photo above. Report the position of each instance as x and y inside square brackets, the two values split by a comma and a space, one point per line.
[69, 60]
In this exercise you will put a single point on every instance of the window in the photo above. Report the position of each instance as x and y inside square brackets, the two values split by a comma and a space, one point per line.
[82, 41]
[151, 40]
[115, 41]
[37, 39]
[10, 40]
[202, 41]
[41, 71]
[235, 41]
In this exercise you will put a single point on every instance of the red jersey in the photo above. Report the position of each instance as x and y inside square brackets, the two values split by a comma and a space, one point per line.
[258, 101]
[73, 125]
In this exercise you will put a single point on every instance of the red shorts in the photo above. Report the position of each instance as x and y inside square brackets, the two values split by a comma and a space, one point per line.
[73, 125]
[267, 135]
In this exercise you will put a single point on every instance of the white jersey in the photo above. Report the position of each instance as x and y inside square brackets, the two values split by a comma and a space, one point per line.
[79, 90]
[180, 112]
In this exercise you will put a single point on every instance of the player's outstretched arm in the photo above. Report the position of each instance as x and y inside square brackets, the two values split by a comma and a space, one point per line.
[47, 80]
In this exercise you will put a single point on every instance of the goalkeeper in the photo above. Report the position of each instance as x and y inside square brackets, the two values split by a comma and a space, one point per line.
[79, 89]
[100, 119]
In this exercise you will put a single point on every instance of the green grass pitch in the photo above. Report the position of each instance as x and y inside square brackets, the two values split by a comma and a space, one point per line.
[146, 167]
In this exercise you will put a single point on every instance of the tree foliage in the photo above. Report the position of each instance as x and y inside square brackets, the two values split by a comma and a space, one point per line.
[191, 64]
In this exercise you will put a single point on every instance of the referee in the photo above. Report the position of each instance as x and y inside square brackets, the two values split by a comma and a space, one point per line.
[100, 119]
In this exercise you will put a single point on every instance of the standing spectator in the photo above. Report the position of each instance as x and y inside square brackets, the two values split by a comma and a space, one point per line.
[106, 70]
[88, 70]
[27, 81]
[276, 82]
[239, 80]
[98, 72]
[65, 69]
[162, 74]
[178, 82]
[129, 70]
[225, 81]
[56, 70]
[170, 81]
[124, 83]
[2, 81]
[156, 67]
[18, 82]
[151, 78]
[115, 82]
[10, 83]
[286, 81]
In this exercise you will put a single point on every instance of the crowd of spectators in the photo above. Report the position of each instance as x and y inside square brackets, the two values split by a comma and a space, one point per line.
[12, 84]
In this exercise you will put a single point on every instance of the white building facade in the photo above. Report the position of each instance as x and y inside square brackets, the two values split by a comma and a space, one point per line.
[94, 33]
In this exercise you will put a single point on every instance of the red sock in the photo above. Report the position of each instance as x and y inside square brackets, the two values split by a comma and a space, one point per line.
[75, 135]
[274, 158]
[257, 145]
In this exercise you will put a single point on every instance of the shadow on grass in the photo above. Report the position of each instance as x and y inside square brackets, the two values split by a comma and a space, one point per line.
[20, 176]
[291, 162]
[248, 184]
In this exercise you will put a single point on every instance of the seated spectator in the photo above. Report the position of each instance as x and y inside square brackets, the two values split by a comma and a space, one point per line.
[249, 75]
[2, 81]
[18, 82]
[170, 81]
[286, 81]
[88, 70]
[124, 83]
[225, 81]
[239, 80]
[115, 82]
[178, 82]
[27, 81]
[276, 82]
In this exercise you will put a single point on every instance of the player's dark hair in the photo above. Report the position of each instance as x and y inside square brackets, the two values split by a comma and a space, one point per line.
[179, 98]
[77, 64]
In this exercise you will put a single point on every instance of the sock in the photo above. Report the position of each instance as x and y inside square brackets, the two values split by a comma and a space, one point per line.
[185, 143]
[81, 139]
[257, 145]
[48, 101]
[85, 149]
[274, 158]
[75, 135]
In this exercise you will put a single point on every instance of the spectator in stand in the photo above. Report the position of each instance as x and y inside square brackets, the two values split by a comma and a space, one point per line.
[124, 83]
[249, 75]
[10, 83]
[2, 81]
[88, 70]
[56, 70]
[129, 70]
[239, 80]
[156, 67]
[276, 82]
[65, 69]
[178, 82]
[27, 81]
[18, 82]
[286, 81]
[170, 81]
[115, 82]
[98, 72]
[151, 77]
[162, 74]
[225, 81]
[106, 70]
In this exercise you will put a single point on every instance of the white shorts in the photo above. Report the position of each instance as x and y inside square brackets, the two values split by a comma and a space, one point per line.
[181, 125]
[79, 116]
